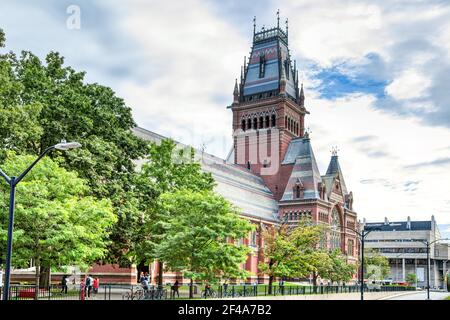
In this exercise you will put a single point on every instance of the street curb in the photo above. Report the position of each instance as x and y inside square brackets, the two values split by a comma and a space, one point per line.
[398, 295]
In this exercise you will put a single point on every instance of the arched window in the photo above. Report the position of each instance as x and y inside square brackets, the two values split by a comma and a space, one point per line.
[255, 123]
[249, 124]
[261, 122]
[267, 121]
[243, 124]
[286, 122]
[274, 121]
[336, 230]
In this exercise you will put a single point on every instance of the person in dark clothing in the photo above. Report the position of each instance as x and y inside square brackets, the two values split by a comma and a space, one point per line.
[64, 282]
[175, 288]
[89, 285]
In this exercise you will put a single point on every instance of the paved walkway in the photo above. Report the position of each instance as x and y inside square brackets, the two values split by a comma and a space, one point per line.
[421, 296]
[334, 296]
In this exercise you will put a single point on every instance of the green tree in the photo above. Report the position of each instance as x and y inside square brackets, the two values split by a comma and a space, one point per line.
[166, 168]
[340, 269]
[198, 226]
[411, 278]
[42, 103]
[290, 252]
[376, 265]
[55, 224]
[2, 38]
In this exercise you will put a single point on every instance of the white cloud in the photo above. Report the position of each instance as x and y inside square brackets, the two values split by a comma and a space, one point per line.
[402, 141]
[410, 84]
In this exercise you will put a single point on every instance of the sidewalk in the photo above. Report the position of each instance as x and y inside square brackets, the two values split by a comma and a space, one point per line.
[333, 296]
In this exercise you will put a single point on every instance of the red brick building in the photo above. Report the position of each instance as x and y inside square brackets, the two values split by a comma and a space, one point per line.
[271, 173]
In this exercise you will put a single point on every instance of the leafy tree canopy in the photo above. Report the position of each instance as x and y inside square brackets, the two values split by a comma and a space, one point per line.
[42, 103]
[198, 230]
[166, 169]
[56, 224]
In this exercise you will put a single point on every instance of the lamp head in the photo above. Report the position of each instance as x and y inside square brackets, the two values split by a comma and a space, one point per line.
[64, 146]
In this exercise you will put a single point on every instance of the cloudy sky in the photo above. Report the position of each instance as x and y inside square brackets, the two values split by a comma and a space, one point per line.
[376, 76]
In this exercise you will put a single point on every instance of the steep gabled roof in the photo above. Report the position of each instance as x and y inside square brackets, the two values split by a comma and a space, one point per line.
[305, 169]
[334, 172]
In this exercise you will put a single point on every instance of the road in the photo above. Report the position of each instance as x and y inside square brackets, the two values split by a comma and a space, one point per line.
[422, 296]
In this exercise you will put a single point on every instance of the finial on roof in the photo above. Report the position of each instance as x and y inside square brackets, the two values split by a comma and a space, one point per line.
[254, 25]
[334, 151]
[307, 133]
[278, 18]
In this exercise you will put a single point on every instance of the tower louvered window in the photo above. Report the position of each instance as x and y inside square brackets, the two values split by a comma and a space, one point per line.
[262, 66]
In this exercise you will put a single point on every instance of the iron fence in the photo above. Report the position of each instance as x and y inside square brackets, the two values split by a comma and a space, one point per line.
[137, 292]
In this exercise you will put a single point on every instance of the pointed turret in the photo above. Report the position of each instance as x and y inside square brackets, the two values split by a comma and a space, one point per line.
[302, 97]
[236, 93]
[334, 173]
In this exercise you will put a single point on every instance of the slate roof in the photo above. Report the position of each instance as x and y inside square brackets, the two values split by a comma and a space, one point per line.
[305, 170]
[244, 189]
[334, 171]
[272, 45]
[400, 226]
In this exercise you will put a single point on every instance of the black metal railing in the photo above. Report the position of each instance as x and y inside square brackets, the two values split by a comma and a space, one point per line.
[137, 292]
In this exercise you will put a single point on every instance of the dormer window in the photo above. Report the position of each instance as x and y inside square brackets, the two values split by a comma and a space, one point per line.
[299, 191]
[262, 66]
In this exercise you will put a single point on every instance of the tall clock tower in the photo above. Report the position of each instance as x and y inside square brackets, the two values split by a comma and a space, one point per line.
[268, 107]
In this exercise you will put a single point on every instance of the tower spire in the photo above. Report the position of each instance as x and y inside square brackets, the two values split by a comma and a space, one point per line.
[278, 18]
[236, 92]
[302, 96]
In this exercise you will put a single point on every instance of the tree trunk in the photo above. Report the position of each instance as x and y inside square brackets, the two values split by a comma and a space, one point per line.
[36, 279]
[160, 274]
[140, 268]
[191, 289]
[270, 284]
[270, 277]
[314, 278]
[44, 277]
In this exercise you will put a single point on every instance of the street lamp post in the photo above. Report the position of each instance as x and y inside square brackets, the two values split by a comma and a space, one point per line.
[428, 244]
[362, 236]
[13, 181]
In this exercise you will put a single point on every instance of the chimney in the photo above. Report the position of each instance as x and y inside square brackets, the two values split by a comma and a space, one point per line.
[386, 221]
[432, 218]
[408, 223]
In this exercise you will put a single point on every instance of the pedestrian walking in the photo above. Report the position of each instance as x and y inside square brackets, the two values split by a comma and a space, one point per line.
[89, 284]
[175, 288]
[82, 290]
[96, 285]
[64, 282]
